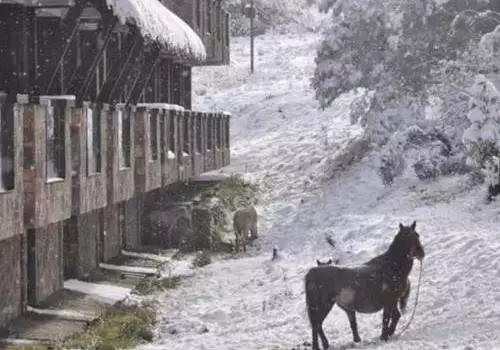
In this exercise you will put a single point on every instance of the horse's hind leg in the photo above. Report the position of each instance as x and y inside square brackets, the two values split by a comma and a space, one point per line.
[396, 315]
[317, 314]
[354, 325]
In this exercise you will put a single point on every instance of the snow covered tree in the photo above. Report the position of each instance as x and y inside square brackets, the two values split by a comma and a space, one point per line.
[354, 48]
[482, 138]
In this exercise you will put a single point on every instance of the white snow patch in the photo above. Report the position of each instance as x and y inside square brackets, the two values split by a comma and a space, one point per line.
[54, 180]
[131, 269]
[66, 314]
[105, 292]
[162, 106]
[170, 155]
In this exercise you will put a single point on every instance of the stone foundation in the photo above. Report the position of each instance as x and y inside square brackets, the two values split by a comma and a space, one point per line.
[45, 262]
[81, 237]
[11, 291]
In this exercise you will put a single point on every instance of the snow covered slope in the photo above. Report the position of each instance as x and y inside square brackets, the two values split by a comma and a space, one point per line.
[281, 140]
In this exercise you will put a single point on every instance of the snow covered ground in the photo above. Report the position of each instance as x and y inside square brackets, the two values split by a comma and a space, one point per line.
[281, 141]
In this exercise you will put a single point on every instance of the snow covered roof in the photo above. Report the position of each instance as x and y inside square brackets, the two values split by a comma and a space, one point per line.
[158, 23]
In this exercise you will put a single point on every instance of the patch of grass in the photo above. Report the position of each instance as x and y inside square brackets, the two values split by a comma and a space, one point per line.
[120, 327]
[26, 347]
[149, 285]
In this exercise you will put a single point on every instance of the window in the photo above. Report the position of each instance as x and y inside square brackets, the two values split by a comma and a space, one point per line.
[186, 133]
[93, 142]
[209, 132]
[171, 135]
[217, 132]
[176, 86]
[218, 11]
[226, 130]
[124, 138]
[6, 146]
[226, 30]
[153, 134]
[209, 16]
[199, 133]
[198, 13]
[55, 141]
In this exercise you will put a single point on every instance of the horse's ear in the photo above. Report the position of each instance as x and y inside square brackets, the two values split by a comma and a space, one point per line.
[401, 227]
[413, 225]
[329, 262]
[318, 262]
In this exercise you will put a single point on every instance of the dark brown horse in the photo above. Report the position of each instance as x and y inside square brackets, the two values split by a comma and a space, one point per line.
[369, 288]
[403, 301]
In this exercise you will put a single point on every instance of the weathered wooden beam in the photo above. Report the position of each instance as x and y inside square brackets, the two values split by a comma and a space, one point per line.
[186, 76]
[59, 44]
[152, 58]
[120, 64]
[82, 77]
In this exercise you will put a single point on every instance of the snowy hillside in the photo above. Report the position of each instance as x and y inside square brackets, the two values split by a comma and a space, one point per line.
[282, 141]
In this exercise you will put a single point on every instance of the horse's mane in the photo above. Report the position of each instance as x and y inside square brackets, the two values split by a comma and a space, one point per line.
[393, 252]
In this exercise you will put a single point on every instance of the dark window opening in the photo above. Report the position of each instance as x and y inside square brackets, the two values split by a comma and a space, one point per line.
[226, 130]
[226, 30]
[177, 77]
[7, 158]
[198, 13]
[209, 16]
[217, 133]
[93, 142]
[186, 133]
[153, 134]
[210, 141]
[55, 140]
[171, 135]
[180, 126]
[186, 84]
[218, 21]
[124, 138]
[199, 133]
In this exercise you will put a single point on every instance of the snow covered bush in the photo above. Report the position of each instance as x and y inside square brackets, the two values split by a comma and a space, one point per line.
[413, 59]
[482, 138]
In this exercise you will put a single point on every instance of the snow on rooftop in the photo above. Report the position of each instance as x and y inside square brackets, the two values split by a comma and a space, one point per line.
[160, 24]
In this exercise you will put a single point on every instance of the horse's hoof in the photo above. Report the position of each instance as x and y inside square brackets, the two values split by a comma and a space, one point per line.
[357, 340]
[384, 337]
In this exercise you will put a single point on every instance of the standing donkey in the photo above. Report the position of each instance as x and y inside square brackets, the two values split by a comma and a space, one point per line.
[244, 222]
[369, 288]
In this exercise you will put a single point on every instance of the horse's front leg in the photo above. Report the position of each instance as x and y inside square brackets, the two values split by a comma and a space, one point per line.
[386, 317]
[354, 325]
[396, 315]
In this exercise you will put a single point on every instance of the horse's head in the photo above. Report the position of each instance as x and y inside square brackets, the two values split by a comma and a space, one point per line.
[319, 263]
[408, 241]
